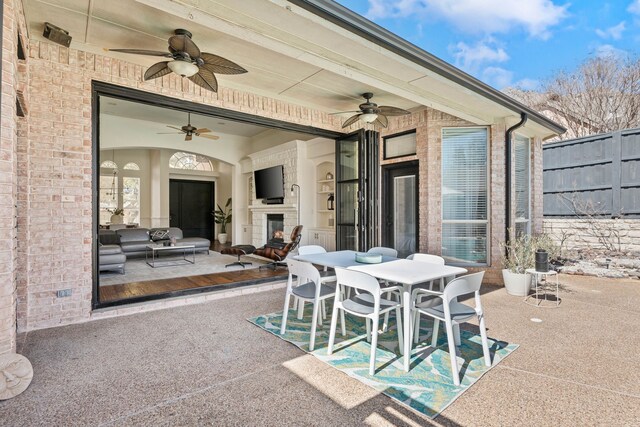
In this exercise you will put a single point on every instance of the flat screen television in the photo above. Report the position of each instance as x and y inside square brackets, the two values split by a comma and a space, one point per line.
[269, 183]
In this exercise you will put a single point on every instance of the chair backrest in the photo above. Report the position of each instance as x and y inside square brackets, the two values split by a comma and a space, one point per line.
[463, 285]
[358, 280]
[296, 235]
[311, 249]
[433, 259]
[304, 271]
[383, 251]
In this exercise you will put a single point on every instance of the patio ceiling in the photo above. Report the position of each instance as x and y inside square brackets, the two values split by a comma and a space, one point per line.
[291, 54]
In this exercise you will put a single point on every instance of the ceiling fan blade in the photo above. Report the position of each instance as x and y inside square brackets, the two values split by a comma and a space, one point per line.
[220, 65]
[344, 112]
[175, 127]
[382, 121]
[351, 120]
[157, 70]
[183, 43]
[214, 137]
[392, 111]
[202, 130]
[188, 137]
[206, 79]
[142, 52]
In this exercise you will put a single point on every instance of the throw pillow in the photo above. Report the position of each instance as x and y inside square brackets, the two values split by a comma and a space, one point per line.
[159, 235]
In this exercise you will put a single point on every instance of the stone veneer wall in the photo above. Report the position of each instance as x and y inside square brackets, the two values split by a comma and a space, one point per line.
[13, 76]
[287, 155]
[577, 236]
[55, 212]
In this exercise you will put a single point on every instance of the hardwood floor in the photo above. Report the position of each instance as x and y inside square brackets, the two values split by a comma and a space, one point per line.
[161, 287]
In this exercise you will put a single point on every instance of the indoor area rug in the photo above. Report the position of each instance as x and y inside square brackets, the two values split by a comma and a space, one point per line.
[427, 387]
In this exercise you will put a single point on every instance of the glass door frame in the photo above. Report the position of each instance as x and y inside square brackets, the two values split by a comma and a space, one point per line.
[412, 168]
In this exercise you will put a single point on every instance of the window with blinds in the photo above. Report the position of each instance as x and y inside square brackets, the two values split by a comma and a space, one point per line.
[465, 208]
[522, 167]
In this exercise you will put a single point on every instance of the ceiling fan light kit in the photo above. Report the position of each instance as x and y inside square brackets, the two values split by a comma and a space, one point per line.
[183, 68]
[371, 113]
[187, 61]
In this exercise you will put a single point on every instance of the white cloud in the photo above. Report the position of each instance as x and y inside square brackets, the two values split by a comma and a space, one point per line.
[634, 7]
[607, 50]
[497, 77]
[470, 58]
[536, 17]
[614, 32]
[527, 84]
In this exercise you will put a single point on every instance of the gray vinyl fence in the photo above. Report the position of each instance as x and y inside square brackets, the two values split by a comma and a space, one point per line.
[601, 173]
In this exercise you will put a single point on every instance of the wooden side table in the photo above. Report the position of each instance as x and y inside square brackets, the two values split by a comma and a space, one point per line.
[535, 275]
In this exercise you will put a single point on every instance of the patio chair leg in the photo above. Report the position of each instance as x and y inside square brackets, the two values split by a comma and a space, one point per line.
[344, 325]
[485, 341]
[366, 321]
[456, 334]
[434, 333]
[385, 324]
[285, 312]
[300, 309]
[324, 310]
[314, 325]
[320, 313]
[452, 353]
[416, 328]
[332, 330]
[374, 344]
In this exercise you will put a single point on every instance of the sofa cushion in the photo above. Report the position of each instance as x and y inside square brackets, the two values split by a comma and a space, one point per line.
[128, 247]
[108, 237]
[198, 242]
[175, 232]
[133, 235]
[110, 250]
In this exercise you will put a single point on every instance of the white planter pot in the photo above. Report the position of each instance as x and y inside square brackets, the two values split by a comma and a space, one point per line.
[222, 238]
[116, 219]
[518, 284]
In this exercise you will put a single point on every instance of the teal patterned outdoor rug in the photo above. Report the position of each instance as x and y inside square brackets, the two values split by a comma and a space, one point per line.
[427, 387]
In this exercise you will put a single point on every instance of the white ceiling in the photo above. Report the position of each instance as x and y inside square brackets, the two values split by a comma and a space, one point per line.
[167, 116]
[290, 53]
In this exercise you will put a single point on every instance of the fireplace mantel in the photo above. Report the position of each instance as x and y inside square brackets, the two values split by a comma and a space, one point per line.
[272, 208]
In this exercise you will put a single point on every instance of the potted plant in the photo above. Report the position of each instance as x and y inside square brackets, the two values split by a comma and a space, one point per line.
[223, 217]
[116, 215]
[518, 256]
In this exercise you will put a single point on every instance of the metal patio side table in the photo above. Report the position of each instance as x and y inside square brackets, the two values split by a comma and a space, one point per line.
[535, 275]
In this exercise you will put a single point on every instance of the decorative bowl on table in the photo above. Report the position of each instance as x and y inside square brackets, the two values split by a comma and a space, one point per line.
[368, 258]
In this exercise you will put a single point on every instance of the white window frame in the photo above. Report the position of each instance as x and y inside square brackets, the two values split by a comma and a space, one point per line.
[488, 220]
[528, 177]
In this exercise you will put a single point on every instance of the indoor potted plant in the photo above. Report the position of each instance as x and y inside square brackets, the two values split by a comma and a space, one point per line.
[117, 215]
[518, 256]
[223, 217]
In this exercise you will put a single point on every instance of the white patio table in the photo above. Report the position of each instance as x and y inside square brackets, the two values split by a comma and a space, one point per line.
[403, 271]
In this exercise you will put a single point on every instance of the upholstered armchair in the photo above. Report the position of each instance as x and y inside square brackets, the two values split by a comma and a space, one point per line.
[278, 253]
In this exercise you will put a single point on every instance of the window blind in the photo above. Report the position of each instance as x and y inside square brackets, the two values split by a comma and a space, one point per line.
[464, 195]
[522, 183]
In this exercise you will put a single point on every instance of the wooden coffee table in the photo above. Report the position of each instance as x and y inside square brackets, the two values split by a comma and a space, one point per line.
[156, 248]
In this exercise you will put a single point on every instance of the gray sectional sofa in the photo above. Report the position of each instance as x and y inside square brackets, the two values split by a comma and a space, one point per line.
[116, 246]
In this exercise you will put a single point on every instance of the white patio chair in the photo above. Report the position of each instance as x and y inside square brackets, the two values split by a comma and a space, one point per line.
[384, 251]
[426, 299]
[368, 304]
[326, 278]
[454, 313]
[306, 287]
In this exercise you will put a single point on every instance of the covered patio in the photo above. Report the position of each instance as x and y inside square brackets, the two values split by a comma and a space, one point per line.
[205, 365]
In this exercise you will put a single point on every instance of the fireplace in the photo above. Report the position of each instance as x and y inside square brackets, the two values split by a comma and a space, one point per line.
[275, 224]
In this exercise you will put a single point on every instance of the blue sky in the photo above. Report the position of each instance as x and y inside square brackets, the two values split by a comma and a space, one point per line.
[511, 42]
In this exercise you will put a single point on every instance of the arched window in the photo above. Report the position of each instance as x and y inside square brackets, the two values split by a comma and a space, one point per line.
[182, 160]
[132, 166]
[108, 164]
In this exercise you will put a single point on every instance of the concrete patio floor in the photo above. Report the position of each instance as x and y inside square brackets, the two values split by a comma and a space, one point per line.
[205, 365]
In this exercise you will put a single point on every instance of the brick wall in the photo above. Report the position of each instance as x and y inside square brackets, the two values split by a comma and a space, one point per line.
[56, 163]
[12, 80]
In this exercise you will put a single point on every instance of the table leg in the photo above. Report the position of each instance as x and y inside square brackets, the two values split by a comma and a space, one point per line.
[406, 305]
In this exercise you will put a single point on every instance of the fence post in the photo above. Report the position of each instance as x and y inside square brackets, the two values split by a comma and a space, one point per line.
[616, 174]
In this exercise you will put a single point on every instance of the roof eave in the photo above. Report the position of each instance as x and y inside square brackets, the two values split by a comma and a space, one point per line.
[359, 25]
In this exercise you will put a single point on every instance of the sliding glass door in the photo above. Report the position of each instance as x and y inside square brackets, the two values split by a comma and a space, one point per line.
[357, 213]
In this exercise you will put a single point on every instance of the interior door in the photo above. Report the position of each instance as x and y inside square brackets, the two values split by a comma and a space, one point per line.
[190, 207]
[357, 213]
[400, 208]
